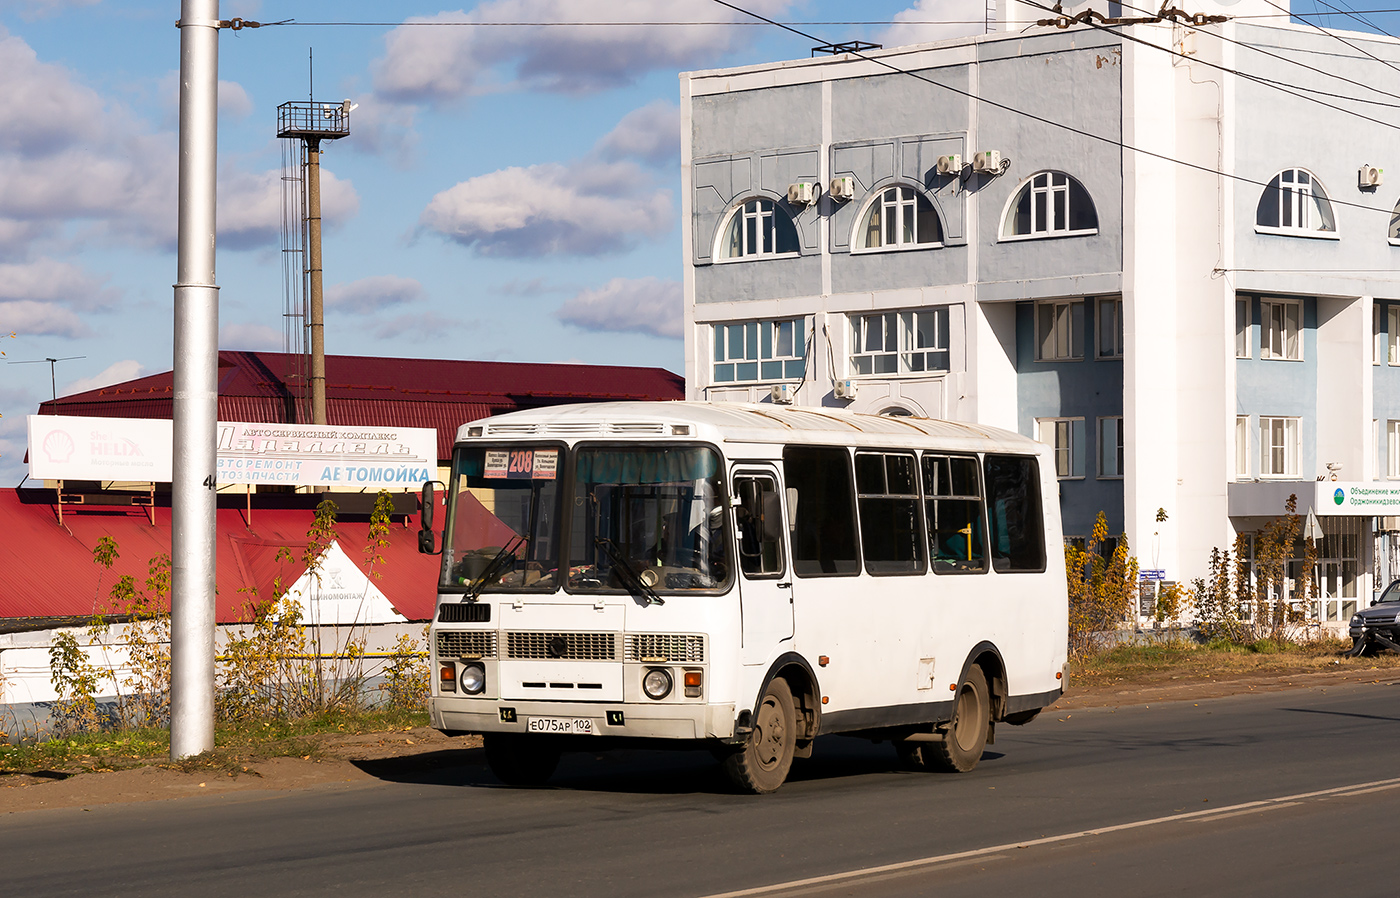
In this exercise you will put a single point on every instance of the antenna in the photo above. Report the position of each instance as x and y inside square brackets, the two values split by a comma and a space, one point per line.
[53, 384]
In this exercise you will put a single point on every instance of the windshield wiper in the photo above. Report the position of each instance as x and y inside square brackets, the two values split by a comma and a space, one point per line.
[495, 567]
[628, 574]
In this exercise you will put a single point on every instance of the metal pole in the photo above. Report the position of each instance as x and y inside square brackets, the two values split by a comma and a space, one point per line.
[313, 264]
[196, 390]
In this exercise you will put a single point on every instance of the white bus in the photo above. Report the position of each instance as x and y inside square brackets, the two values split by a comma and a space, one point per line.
[744, 577]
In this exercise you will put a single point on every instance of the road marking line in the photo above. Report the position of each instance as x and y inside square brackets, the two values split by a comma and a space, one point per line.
[1220, 813]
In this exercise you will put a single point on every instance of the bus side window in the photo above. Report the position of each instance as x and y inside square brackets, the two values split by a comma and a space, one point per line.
[1014, 514]
[891, 532]
[953, 504]
[824, 542]
[759, 515]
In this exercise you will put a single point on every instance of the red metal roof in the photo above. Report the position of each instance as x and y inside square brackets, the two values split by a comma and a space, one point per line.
[49, 570]
[260, 387]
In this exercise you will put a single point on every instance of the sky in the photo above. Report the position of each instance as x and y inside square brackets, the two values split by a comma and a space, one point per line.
[507, 192]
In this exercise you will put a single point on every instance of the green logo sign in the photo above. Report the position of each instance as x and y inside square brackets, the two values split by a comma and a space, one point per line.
[1339, 496]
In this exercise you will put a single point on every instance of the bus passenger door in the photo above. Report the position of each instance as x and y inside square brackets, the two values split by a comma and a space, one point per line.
[765, 578]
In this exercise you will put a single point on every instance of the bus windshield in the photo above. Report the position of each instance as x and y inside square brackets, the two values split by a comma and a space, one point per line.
[503, 519]
[657, 510]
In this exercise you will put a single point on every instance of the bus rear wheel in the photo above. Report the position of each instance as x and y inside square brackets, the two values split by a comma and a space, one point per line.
[966, 736]
[762, 764]
[520, 760]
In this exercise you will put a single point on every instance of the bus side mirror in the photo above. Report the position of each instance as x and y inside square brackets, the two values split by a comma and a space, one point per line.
[427, 540]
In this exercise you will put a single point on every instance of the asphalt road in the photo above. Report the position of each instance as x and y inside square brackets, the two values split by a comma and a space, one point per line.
[1285, 793]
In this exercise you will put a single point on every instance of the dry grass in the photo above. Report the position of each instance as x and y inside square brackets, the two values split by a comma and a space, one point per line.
[1162, 662]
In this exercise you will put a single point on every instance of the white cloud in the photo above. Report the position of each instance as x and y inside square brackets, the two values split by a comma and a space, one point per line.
[250, 337]
[418, 328]
[48, 280]
[372, 294]
[642, 305]
[41, 109]
[382, 128]
[115, 373]
[442, 63]
[250, 206]
[584, 207]
[968, 14]
[234, 100]
[25, 316]
[651, 134]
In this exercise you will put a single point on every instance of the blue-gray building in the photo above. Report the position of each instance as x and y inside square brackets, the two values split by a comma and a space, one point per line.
[1126, 241]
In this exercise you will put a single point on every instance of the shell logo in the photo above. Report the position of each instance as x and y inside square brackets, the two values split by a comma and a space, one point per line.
[58, 446]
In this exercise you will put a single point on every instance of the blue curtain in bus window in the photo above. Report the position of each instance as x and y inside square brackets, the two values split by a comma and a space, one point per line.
[1014, 513]
[821, 511]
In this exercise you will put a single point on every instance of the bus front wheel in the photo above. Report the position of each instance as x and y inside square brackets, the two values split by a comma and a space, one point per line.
[520, 760]
[762, 764]
[966, 736]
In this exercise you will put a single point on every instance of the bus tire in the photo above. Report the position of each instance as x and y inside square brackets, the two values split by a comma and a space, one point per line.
[520, 760]
[966, 736]
[762, 763]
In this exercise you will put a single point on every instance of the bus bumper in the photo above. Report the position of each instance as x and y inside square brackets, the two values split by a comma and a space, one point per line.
[630, 720]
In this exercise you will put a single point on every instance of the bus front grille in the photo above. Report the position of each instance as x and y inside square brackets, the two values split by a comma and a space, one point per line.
[466, 643]
[561, 646]
[665, 646]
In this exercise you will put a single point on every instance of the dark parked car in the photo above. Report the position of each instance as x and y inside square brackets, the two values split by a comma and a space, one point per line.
[1378, 626]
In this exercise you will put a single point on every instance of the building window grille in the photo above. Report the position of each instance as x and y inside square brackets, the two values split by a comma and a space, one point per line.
[1244, 348]
[1059, 331]
[1050, 204]
[756, 229]
[1110, 448]
[910, 342]
[760, 350]
[1278, 447]
[1242, 447]
[899, 218]
[1110, 328]
[1281, 335]
[1066, 437]
[1295, 203]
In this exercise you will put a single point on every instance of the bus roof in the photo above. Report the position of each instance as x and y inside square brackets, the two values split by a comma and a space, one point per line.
[733, 422]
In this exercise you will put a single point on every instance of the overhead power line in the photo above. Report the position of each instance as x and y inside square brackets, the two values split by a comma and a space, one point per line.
[1112, 141]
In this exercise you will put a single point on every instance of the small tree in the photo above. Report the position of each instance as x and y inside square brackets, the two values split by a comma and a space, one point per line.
[1101, 591]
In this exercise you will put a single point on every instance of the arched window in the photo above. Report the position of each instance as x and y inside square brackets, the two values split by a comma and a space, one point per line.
[1050, 204]
[1395, 225]
[898, 217]
[1295, 203]
[758, 228]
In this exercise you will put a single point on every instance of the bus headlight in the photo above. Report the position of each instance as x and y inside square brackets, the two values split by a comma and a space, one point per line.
[657, 683]
[473, 678]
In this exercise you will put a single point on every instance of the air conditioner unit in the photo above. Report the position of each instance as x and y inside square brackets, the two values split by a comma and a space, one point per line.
[782, 394]
[950, 165]
[988, 162]
[845, 389]
[803, 193]
[843, 188]
[1370, 176]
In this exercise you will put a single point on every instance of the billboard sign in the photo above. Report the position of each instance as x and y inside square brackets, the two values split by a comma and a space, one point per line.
[140, 449]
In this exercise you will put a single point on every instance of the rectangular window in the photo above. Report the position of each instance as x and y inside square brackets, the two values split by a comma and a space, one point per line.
[1392, 320]
[1377, 333]
[1066, 437]
[1014, 520]
[1059, 331]
[1377, 450]
[1278, 447]
[1281, 321]
[760, 350]
[1110, 448]
[1244, 348]
[758, 511]
[821, 511]
[1242, 447]
[891, 530]
[1392, 446]
[910, 342]
[953, 506]
[1110, 328]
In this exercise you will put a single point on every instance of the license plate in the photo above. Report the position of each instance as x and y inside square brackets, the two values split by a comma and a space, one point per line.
[577, 726]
